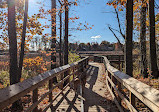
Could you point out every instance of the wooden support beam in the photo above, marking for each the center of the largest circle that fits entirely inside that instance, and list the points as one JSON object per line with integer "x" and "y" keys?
{"x": 132, "y": 99}
{"x": 115, "y": 100}
{"x": 119, "y": 89}
{"x": 50, "y": 86}
{"x": 119, "y": 63}
{"x": 35, "y": 99}
{"x": 122, "y": 97}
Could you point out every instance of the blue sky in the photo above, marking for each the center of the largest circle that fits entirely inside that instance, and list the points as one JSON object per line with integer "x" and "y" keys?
{"x": 93, "y": 12}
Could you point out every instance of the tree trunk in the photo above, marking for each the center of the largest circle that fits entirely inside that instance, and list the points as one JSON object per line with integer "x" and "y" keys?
{"x": 60, "y": 53}
{"x": 13, "y": 72}
{"x": 12, "y": 42}
{"x": 66, "y": 33}
{"x": 143, "y": 41}
{"x": 53, "y": 44}
{"x": 23, "y": 39}
{"x": 153, "y": 56}
{"x": 128, "y": 39}
{"x": 66, "y": 38}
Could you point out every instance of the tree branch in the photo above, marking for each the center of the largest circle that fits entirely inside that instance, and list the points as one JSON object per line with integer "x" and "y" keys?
{"x": 23, "y": 40}
{"x": 115, "y": 37}
{"x": 119, "y": 25}
{"x": 60, "y": 3}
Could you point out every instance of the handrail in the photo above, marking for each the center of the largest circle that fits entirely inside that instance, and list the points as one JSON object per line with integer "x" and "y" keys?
{"x": 102, "y": 52}
{"x": 14, "y": 92}
{"x": 115, "y": 79}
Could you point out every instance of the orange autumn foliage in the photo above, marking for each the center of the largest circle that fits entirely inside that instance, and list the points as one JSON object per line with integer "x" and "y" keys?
{"x": 36, "y": 64}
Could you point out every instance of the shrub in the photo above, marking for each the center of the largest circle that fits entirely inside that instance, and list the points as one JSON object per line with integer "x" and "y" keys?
{"x": 4, "y": 65}
{"x": 73, "y": 57}
{"x": 4, "y": 79}
{"x": 35, "y": 65}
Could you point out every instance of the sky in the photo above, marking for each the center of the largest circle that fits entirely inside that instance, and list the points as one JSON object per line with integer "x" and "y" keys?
{"x": 93, "y": 12}
{"x": 97, "y": 13}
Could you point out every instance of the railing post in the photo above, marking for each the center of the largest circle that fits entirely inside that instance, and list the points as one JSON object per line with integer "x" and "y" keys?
{"x": 35, "y": 98}
{"x": 95, "y": 59}
{"x": 87, "y": 62}
{"x": 61, "y": 78}
{"x": 82, "y": 66}
{"x": 119, "y": 88}
{"x": 111, "y": 80}
{"x": 66, "y": 81}
{"x": 119, "y": 63}
{"x": 50, "y": 86}
{"x": 122, "y": 65}
{"x": 73, "y": 70}
{"x": 132, "y": 99}
{"x": 69, "y": 72}
{"x": 111, "y": 57}
{"x": 106, "y": 73}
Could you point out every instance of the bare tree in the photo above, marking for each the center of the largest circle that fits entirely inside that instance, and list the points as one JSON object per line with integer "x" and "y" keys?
{"x": 66, "y": 38}
{"x": 13, "y": 72}
{"x": 143, "y": 39}
{"x": 53, "y": 32}
{"x": 116, "y": 37}
{"x": 53, "y": 44}
{"x": 66, "y": 33}
{"x": 119, "y": 24}
{"x": 23, "y": 40}
{"x": 128, "y": 38}
{"x": 119, "y": 31}
{"x": 60, "y": 43}
{"x": 12, "y": 42}
{"x": 153, "y": 56}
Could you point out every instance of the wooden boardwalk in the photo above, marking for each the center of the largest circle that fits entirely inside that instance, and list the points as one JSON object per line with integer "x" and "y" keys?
{"x": 103, "y": 89}
{"x": 96, "y": 96}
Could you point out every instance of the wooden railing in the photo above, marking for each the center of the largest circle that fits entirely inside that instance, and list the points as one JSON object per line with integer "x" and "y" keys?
{"x": 112, "y": 58}
{"x": 137, "y": 91}
{"x": 101, "y": 52}
{"x": 14, "y": 92}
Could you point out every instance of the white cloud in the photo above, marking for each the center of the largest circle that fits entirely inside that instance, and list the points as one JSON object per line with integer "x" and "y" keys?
{"x": 95, "y": 37}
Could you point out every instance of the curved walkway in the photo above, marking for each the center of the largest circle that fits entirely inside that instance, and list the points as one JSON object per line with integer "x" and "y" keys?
{"x": 96, "y": 96}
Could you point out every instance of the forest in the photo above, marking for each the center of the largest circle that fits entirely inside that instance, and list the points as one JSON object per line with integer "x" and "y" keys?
{"x": 35, "y": 42}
